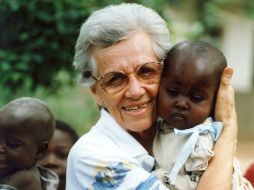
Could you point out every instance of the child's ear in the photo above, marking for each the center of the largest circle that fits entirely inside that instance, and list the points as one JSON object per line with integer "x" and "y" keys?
{"x": 42, "y": 150}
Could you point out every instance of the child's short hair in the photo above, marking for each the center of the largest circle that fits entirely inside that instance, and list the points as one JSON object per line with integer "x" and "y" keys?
{"x": 198, "y": 49}
{"x": 29, "y": 114}
{"x": 63, "y": 126}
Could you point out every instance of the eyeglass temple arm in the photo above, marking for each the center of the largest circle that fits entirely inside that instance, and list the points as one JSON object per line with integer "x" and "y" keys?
{"x": 88, "y": 74}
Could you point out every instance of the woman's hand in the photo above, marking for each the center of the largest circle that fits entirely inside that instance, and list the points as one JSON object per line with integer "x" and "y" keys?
{"x": 225, "y": 104}
{"x": 220, "y": 169}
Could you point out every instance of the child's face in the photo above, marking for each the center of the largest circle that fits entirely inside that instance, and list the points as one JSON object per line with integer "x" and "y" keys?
{"x": 58, "y": 150}
{"x": 17, "y": 149}
{"x": 186, "y": 93}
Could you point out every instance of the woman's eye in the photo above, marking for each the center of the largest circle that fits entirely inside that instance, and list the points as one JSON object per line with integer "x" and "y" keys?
{"x": 146, "y": 72}
{"x": 114, "y": 79}
{"x": 13, "y": 143}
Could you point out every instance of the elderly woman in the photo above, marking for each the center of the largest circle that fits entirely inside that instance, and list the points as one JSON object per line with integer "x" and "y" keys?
{"x": 119, "y": 54}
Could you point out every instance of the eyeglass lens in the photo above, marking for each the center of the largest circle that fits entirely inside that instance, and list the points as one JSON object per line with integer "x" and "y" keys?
{"x": 148, "y": 73}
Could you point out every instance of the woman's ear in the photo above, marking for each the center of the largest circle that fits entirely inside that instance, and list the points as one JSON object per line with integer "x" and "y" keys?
{"x": 41, "y": 150}
{"x": 95, "y": 91}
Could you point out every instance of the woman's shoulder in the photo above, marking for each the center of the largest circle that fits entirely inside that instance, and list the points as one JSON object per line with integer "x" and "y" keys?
{"x": 93, "y": 143}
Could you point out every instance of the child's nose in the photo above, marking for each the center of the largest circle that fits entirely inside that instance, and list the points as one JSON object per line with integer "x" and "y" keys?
{"x": 52, "y": 159}
{"x": 182, "y": 103}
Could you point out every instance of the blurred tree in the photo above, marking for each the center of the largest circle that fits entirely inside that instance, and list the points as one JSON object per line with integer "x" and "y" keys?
{"x": 37, "y": 40}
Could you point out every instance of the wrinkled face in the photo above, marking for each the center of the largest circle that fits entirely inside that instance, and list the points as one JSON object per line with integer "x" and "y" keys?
{"x": 18, "y": 150}
{"x": 186, "y": 93}
{"x": 134, "y": 107}
{"x": 58, "y": 150}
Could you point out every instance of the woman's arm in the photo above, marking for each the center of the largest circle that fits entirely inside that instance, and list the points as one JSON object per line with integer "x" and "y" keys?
{"x": 220, "y": 170}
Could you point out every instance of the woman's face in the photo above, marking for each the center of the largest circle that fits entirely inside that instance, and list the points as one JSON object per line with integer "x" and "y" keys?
{"x": 134, "y": 107}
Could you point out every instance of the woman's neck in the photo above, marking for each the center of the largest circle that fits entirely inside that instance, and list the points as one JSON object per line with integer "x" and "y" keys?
{"x": 145, "y": 138}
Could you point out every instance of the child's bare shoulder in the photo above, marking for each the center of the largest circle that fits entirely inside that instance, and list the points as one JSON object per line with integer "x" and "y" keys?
{"x": 25, "y": 180}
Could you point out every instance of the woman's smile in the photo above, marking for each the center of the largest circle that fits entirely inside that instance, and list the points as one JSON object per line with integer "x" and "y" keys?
{"x": 136, "y": 107}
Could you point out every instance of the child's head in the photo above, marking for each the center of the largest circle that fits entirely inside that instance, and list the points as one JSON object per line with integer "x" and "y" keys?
{"x": 26, "y": 126}
{"x": 58, "y": 150}
{"x": 189, "y": 83}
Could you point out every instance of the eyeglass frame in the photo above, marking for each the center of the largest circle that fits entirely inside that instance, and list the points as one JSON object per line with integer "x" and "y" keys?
{"x": 98, "y": 79}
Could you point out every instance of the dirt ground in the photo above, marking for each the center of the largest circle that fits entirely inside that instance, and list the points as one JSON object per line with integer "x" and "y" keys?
{"x": 245, "y": 153}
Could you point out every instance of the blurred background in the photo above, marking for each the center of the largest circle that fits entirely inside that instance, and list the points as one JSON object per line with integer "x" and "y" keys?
{"x": 37, "y": 39}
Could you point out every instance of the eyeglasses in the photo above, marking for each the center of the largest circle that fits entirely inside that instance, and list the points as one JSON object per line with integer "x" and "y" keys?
{"x": 147, "y": 73}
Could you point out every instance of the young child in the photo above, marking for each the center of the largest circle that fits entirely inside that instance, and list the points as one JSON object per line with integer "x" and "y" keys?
{"x": 26, "y": 126}
{"x": 187, "y": 94}
{"x": 59, "y": 147}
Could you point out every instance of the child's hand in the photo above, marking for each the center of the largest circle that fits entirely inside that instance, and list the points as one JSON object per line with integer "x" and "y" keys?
{"x": 225, "y": 103}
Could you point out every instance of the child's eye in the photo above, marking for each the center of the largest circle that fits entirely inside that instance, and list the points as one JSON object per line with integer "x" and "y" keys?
{"x": 13, "y": 143}
{"x": 197, "y": 98}
{"x": 172, "y": 92}
{"x": 62, "y": 155}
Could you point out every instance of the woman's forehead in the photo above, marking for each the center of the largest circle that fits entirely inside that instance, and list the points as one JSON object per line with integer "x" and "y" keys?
{"x": 127, "y": 53}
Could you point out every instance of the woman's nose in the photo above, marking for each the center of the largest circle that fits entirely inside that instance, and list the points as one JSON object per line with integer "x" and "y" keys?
{"x": 135, "y": 88}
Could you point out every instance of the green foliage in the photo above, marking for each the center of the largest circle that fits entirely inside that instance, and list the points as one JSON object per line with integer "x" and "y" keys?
{"x": 37, "y": 40}
{"x": 75, "y": 105}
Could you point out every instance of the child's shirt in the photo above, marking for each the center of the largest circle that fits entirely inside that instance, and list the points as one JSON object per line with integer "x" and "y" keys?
{"x": 183, "y": 155}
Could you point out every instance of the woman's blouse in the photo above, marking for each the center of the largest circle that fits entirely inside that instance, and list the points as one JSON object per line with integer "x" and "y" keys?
{"x": 108, "y": 157}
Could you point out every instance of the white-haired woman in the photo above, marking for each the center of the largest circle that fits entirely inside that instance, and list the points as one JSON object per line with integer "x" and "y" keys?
{"x": 119, "y": 54}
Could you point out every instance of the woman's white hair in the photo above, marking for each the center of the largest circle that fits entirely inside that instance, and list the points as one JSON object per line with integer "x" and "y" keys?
{"x": 112, "y": 24}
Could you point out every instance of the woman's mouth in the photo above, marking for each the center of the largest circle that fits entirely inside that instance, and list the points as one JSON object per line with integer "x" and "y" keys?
{"x": 135, "y": 108}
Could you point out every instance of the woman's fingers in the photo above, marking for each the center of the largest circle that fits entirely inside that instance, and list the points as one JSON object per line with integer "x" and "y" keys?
{"x": 226, "y": 76}
{"x": 225, "y": 103}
